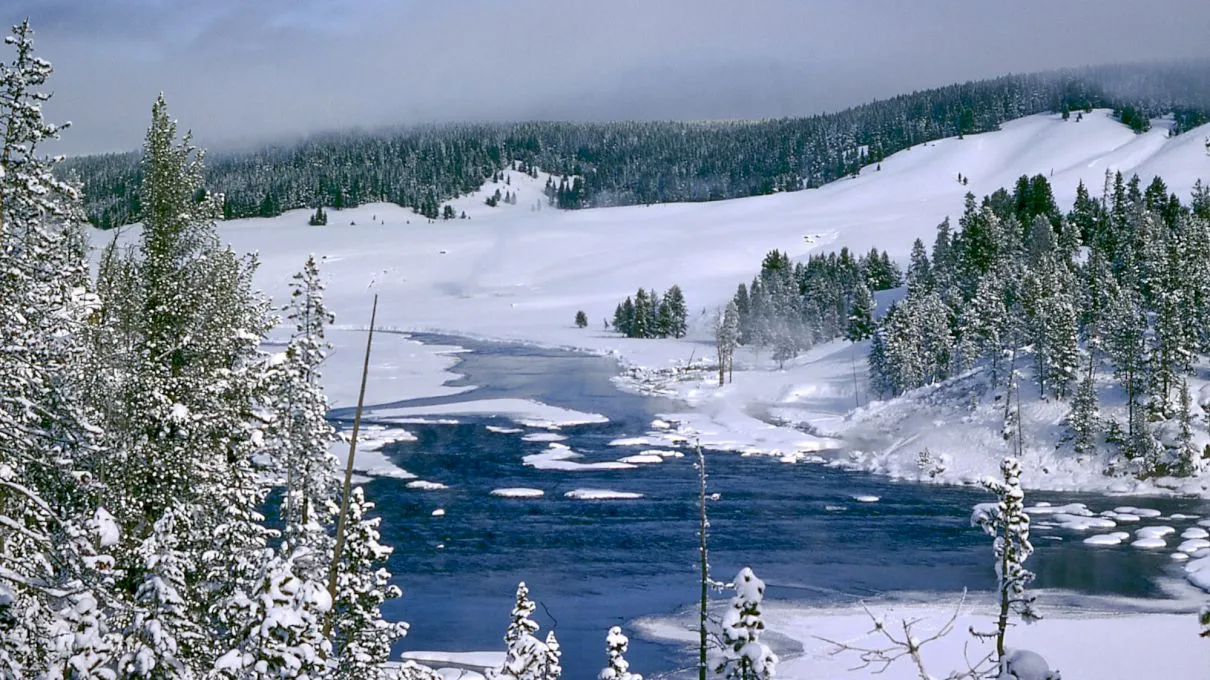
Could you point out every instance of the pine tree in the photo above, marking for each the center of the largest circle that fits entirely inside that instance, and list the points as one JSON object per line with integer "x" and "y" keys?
{"x": 1083, "y": 421}
{"x": 1007, "y": 522}
{"x": 641, "y": 327}
{"x": 53, "y": 581}
{"x": 861, "y": 314}
{"x": 282, "y": 632}
{"x": 581, "y": 319}
{"x": 678, "y": 313}
{"x": 526, "y": 656}
{"x": 553, "y": 669}
{"x": 615, "y": 647}
{"x": 1188, "y": 458}
{"x": 362, "y": 639}
{"x": 918, "y": 273}
{"x": 743, "y": 656}
{"x": 162, "y": 624}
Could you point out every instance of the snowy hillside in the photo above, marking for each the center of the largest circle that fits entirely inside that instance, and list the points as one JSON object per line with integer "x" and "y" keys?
{"x": 516, "y": 272}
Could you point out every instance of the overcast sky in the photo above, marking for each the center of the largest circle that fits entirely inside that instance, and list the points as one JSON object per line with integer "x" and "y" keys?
{"x": 239, "y": 71}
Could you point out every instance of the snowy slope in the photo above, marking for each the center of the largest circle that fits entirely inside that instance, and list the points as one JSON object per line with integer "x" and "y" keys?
{"x": 519, "y": 273}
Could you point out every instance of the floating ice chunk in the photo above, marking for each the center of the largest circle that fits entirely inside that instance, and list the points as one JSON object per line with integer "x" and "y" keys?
{"x": 641, "y": 459}
{"x": 1114, "y": 538}
{"x": 518, "y": 492}
{"x": 658, "y": 424}
{"x": 1149, "y": 543}
{"x": 439, "y": 512}
{"x": 1195, "y": 532}
{"x": 503, "y": 430}
{"x": 544, "y": 437}
{"x": 1083, "y": 523}
{"x": 602, "y": 495}
{"x": 833, "y": 508}
{"x": 426, "y": 486}
{"x": 662, "y": 453}
{"x": 1154, "y": 532}
{"x": 1181, "y": 516}
{"x": 630, "y": 441}
{"x": 562, "y": 458}
{"x": 1141, "y": 512}
{"x": 1120, "y": 517}
{"x": 1197, "y": 570}
{"x": 866, "y": 499}
{"x": 1193, "y": 545}
{"x": 1069, "y": 509}
{"x": 1179, "y": 556}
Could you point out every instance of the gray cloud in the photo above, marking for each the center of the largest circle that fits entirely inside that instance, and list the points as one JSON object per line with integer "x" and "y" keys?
{"x": 238, "y": 71}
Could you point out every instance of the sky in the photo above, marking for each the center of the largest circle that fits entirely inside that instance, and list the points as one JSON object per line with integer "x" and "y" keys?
{"x": 240, "y": 72}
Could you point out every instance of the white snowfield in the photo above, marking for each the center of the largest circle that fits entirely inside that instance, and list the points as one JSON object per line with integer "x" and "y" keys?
{"x": 1085, "y": 640}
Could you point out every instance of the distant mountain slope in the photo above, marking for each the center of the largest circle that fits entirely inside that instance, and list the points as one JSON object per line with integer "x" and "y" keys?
{"x": 628, "y": 163}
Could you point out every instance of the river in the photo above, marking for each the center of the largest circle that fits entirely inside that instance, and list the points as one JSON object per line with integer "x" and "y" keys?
{"x": 594, "y": 564}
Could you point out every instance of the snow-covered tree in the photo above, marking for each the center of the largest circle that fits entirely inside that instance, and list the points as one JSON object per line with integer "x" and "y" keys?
{"x": 1008, "y": 524}
{"x": 553, "y": 664}
{"x": 300, "y": 435}
{"x": 742, "y": 655}
{"x": 363, "y": 638}
{"x": 726, "y": 338}
{"x": 618, "y": 668}
{"x": 161, "y": 624}
{"x": 526, "y": 655}
{"x": 1188, "y": 458}
{"x": 282, "y": 635}
{"x": 678, "y": 314}
{"x": 861, "y": 314}
{"x": 52, "y": 589}
{"x": 1083, "y": 421}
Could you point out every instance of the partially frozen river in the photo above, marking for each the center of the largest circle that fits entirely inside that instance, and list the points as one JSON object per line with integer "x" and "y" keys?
{"x": 596, "y": 563}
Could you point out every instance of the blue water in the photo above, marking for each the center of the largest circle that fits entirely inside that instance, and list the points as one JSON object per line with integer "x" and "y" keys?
{"x": 594, "y": 564}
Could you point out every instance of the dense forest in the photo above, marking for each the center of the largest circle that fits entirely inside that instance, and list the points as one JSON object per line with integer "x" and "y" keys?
{"x": 626, "y": 163}
{"x": 1118, "y": 287}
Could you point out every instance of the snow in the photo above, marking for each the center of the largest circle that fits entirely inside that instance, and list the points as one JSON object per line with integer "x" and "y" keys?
{"x": 1114, "y": 538}
{"x": 1081, "y": 523}
{"x": 1154, "y": 532}
{"x": 562, "y": 458}
{"x": 1072, "y": 638}
{"x": 1195, "y": 532}
{"x": 602, "y": 495}
{"x": 480, "y": 661}
{"x": 524, "y": 411}
{"x": 504, "y": 430}
{"x": 1193, "y": 545}
{"x": 544, "y": 437}
{"x": 423, "y": 485}
{"x": 641, "y": 459}
{"x": 1138, "y": 512}
{"x": 1150, "y": 543}
{"x": 866, "y": 499}
{"x": 518, "y": 492}
{"x": 515, "y": 274}
{"x": 369, "y": 458}
{"x": 439, "y": 512}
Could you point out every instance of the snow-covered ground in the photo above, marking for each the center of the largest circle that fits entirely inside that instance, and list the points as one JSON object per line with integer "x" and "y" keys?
{"x": 1083, "y": 638}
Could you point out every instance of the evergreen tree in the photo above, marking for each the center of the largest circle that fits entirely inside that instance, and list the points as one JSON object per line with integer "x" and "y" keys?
{"x": 52, "y": 585}
{"x": 861, "y": 315}
{"x": 918, "y": 274}
{"x": 526, "y": 656}
{"x": 362, "y": 638}
{"x": 743, "y": 656}
{"x": 615, "y": 647}
{"x": 1083, "y": 421}
{"x": 582, "y": 319}
{"x": 161, "y": 625}
{"x": 1188, "y": 458}
{"x": 641, "y": 327}
{"x": 281, "y": 636}
{"x": 1007, "y": 522}
{"x": 553, "y": 667}
{"x": 678, "y": 314}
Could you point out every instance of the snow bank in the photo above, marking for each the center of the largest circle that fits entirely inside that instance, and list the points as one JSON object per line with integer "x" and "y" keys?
{"x": 524, "y": 411}
{"x": 1114, "y": 538}
{"x": 423, "y": 485}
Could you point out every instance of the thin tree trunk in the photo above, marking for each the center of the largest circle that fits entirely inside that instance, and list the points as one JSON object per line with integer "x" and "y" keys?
{"x": 704, "y": 563}
{"x": 334, "y": 569}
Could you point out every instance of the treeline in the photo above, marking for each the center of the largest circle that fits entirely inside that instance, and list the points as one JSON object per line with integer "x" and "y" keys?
{"x": 1118, "y": 285}
{"x": 626, "y": 163}
{"x": 648, "y": 315}
{"x": 791, "y": 307}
